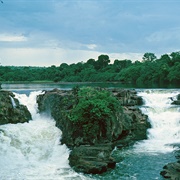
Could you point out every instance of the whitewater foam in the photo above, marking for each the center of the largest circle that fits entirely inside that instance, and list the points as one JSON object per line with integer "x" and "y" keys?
{"x": 164, "y": 119}
{"x": 32, "y": 150}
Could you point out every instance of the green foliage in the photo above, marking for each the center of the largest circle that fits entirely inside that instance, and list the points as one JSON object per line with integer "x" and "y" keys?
{"x": 94, "y": 105}
{"x": 149, "y": 57}
{"x": 164, "y": 70}
{"x": 174, "y": 73}
{"x": 93, "y": 109}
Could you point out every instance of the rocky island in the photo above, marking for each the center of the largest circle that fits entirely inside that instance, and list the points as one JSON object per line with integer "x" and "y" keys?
{"x": 11, "y": 111}
{"x": 93, "y": 121}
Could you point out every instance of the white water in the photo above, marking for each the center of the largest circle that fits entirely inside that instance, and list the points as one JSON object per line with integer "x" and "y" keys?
{"x": 164, "y": 119}
{"x": 32, "y": 151}
{"x": 13, "y": 102}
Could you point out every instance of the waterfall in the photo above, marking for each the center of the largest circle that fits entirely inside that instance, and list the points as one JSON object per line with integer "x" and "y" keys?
{"x": 13, "y": 102}
{"x": 164, "y": 119}
{"x": 33, "y": 150}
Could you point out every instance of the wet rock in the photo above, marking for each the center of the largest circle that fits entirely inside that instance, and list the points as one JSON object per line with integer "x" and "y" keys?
{"x": 127, "y": 97}
{"x": 178, "y": 97}
{"x": 171, "y": 171}
{"x": 10, "y": 109}
{"x": 177, "y": 101}
{"x": 94, "y": 159}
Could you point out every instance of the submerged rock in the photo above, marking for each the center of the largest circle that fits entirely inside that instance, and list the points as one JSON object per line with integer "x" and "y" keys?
{"x": 10, "y": 109}
{"x": 177, "y": 101}
{"x": 93, "y": 155}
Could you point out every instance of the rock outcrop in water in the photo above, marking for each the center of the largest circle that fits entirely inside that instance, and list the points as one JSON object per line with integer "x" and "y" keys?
{"x": 177, "y": 101}
{"x": 172, "y": 170}
{"x": 10, "y": 109}
{"x": 94, "y": 155}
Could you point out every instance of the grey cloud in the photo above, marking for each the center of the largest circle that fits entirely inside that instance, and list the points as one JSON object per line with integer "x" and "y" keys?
{"x": 113, "y": 26}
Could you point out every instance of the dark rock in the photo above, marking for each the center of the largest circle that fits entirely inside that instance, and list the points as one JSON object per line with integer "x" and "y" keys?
{"x": 177, "y": 101}
{"x": 94, "y": 159}
{"x": 171, "y": 171}
{"x": 10, "y": 109}
{"x": 128, "y": 97}
{"x": 178, "y": 97}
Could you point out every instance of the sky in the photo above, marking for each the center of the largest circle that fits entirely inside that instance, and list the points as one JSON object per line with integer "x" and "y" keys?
{"x": 52, "y": 32}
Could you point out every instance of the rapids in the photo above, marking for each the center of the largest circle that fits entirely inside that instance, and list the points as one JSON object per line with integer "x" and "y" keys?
{"x": 146, "y": 158}
{"x": 32, "y": 151}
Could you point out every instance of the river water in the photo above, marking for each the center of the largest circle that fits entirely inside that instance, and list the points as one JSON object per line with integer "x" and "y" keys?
{"x": 33, "y": 151}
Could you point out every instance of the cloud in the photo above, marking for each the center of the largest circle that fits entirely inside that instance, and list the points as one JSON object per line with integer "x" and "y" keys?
{"x": 43, "y": 56}
{"x": 91, "y": 46}
{"x": 59, "y": 30}
{"x": 167, "y": 35}
{"x": 12, "y": 38}
{"x": 47, "y": 57}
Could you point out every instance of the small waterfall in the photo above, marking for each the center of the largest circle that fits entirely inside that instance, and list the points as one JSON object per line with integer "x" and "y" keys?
{"x": 146, "y": 158}
{"x": 33, "y": 150}
{"x": 164, "y": 119}
{"x": 13, "y": 102}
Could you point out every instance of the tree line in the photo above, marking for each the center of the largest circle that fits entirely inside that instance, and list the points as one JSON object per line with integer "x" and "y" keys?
{"x": 151, "y": 70}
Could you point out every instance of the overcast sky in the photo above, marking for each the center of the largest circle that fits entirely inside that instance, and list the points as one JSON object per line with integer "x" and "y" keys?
{"x": 51, "y": 32}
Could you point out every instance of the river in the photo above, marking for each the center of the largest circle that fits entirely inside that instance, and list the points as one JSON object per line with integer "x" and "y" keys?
{"x": 32, "y": 151}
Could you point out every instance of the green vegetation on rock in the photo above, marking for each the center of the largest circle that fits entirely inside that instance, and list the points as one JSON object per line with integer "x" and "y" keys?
{"x": 94, "y": 107}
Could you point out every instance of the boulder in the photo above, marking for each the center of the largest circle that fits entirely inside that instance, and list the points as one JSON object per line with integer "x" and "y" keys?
{"x": 10, "y": 109}
{"x": 177, "y": 101}
{"x": 172, "y": 170}
{"x": 127, "y": 126}
{"x": 178, "y": 97}
{"x": 94, "y": 159}
{"x": 127, "y": 97}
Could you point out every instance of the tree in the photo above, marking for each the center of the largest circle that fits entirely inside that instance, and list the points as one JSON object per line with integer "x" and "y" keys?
{"x": 91, "y": 62}
{"x": 174, "y": 75}
{"x": 165, "y": 59}
{"x": 63, "y": 66}
{"x": 102, "y": 62}
{"x": 149, "y": 57}
{"x": 175, "y": 57}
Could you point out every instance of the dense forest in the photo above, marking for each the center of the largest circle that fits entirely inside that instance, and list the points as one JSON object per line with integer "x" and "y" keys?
{"x": 151, "y": 70}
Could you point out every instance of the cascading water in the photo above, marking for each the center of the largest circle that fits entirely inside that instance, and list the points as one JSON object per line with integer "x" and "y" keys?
{"x": 13, "y": 102}
{"x": 146, "y": 158}
{"x": 164, "y": 119}
{"x": 32, "y": 151}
